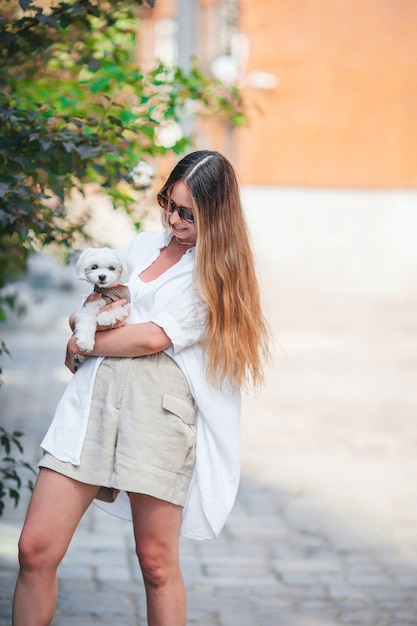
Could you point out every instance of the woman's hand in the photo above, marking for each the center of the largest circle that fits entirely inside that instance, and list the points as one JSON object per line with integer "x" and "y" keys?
{"x": 73, "y": 357}
{"x": 121, "y": 317}
{"x": 108, "y": 307}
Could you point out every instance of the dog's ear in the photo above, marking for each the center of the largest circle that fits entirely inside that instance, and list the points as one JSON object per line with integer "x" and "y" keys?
{"x": 81, "y": 264}
{"x": 126, "y": 270}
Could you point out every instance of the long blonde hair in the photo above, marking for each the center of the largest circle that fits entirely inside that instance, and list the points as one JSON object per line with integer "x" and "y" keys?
{"x": 237, "y": 336}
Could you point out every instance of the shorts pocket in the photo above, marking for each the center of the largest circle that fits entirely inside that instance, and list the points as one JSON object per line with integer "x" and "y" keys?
{"x": 184, "y": 408}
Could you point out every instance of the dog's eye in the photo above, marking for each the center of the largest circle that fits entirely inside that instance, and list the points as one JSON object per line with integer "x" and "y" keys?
{"x": 94, "y": 267}
{"x": 112, "y": 268}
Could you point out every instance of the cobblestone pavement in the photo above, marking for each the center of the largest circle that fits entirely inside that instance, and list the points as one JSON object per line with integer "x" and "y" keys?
{"x": 324, "y": 531}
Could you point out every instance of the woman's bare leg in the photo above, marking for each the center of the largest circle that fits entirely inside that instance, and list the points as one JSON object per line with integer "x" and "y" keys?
{"x": 157, "y": 527}
{"x": 56, "y": 507}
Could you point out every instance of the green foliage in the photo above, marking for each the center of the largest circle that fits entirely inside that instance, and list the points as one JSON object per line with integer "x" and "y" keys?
{"x": 10, "y": 480}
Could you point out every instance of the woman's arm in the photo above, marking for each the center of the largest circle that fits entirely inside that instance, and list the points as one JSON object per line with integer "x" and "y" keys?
{"x": 127, "y": 341}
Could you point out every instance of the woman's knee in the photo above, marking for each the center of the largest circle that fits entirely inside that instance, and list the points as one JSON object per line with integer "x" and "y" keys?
{"x": 36, "y": 551}
{"x": 158, "y": 565}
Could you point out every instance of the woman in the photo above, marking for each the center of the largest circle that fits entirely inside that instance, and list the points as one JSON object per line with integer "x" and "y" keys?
{"x": 125, "y": 431}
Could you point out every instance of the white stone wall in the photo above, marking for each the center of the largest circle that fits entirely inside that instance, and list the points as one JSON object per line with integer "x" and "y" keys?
{"x": 354, "y": 242}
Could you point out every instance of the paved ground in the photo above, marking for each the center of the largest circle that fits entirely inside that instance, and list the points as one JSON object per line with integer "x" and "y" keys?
{"x": 324, "y": 531}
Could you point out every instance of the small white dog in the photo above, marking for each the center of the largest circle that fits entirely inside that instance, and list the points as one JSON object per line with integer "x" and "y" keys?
{"x": 105, "y": 269}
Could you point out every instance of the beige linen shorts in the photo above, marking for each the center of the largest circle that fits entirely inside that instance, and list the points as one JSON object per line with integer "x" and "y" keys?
{"x": 141, "y": 432}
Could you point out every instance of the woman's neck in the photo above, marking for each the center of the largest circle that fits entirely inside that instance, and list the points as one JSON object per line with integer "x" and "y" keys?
{"x": 190, "y": 244}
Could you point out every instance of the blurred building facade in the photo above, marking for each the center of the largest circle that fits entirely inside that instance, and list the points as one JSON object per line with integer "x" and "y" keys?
{"x": 330, "y": 85}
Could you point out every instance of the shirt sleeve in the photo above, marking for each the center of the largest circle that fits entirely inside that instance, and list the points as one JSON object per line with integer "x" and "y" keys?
{"x": 184, "y": 320}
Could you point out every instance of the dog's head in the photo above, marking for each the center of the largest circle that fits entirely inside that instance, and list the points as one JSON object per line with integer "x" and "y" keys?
{"x": 102, "y": 266}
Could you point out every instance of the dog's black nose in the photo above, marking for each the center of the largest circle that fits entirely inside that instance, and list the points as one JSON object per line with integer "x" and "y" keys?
{"x": 102, "y": 277}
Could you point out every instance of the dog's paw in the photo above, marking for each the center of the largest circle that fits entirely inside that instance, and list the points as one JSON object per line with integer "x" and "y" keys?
{"x": 85, "y": 341}
{"x": 79, "y": 360}
{"x": 85, "y": 346}
{"x": 107, "y": 318}
{"x": 85, "y": 328}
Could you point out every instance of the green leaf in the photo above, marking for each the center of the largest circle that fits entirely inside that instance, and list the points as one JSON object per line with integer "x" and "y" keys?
{"x": 100, "y": 85}
{"x": 14, "y": 495}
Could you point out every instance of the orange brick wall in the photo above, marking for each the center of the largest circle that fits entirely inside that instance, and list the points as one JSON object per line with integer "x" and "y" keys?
{"x": 345, "y": 111}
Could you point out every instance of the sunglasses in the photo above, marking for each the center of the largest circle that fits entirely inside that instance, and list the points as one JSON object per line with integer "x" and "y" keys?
{"x": 169, "y": 205}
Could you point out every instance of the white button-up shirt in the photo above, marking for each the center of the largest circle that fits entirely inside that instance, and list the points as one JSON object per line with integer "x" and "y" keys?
{"x": 172, "y": 302}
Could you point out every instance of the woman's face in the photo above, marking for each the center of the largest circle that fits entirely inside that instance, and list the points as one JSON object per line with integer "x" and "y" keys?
{"x": 183, "y": 230}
